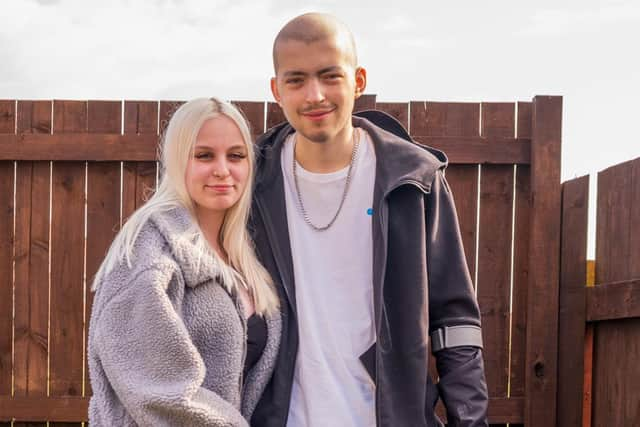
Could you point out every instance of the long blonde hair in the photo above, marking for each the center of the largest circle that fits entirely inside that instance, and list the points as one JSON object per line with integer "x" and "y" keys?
{"x": 176, "y": 149}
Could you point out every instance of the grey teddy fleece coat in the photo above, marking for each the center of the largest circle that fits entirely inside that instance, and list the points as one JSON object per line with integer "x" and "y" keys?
{"x": 167, "y": 342}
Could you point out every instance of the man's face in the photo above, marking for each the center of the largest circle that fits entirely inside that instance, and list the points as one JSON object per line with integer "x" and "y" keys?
{"x": 316, "y": 85}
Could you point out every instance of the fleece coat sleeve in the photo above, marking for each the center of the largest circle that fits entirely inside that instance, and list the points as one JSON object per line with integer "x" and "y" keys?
{"x": 151, "y": 362}
{"x": 452, "y": 302}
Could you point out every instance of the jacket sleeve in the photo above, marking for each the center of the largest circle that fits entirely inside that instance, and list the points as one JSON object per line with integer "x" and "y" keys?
{"x": 452, "y": 302}
{"x": 151, "y": 362}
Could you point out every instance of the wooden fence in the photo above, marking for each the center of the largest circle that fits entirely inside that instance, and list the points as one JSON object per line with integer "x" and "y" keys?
{"x": 70, "y": 169}
{"x": 600, "y": 385}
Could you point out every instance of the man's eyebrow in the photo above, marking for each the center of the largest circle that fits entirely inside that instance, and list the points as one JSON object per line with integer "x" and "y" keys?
{"x": 293, "y": 73}
{"x": 331, "y": 69}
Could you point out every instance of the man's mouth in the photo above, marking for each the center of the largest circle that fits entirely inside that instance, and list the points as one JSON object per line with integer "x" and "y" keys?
{"x": 317, "y": 114}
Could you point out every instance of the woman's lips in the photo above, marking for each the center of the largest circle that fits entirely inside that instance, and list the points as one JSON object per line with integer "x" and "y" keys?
{"x": 219, "y": 188}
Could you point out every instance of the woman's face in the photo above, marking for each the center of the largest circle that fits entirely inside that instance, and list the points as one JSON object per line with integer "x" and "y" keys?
{"x": 218, "y": 169}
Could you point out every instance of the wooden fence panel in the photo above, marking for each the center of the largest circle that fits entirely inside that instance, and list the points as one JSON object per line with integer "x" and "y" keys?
{"x": 494, "y": 251}
{"x": 32, "y": 260}
{"x": 617, "y": 342}
{"x": 103, "y": 205}
{"x": 7, "y": 125}
{"x": 67, "y": 259}
{"x": 571, "y": 318}
{"x": 453, "y": 127}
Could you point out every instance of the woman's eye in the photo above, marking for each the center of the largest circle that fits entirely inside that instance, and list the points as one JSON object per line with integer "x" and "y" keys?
{"x": 202, "y": 156}
{"x": 237, "y": 156}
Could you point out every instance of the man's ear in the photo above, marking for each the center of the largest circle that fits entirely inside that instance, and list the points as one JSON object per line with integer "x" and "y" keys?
{"x": 361, "y": 81}
{"x": 274, "y": 90}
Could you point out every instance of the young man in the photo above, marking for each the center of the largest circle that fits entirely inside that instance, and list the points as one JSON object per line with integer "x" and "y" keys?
{"x": 357, "y": 226}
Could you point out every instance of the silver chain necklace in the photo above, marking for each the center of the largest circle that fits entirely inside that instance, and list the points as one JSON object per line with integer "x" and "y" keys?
{"x": 356, "y": 142}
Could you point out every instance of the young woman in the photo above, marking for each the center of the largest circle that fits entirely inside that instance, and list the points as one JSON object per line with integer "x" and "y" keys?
{"x": 185, "y": 325}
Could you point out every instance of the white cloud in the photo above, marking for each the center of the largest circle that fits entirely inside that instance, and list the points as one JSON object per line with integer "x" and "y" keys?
{"x": 568, "y": 20}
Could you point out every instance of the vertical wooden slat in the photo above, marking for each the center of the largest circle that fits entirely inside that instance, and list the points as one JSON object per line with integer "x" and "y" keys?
{"x": 7, "y": 116}
{"x": 544, "y": 259}
{"x": 67, "y": 259}
{"x": 494, "y": 251}
{"x": 254, "y": 113}
{"x": 634, "y": 226}
{"x": 139, "y": 178}
{"x": 32, "y": 260}
{"x": 587, "y": 392}
{"x": 525, "y": 118}
{"x": 399, "y": 110}
{"x": 615, "y": 195}
{"x": 275, "y": 115}
{"x": 520, "y": 260}
{"x": 7, "y": 126}
{"x": 103, "y": 202}
{"x": 572, "y": 316}
{"x": 616, "y": 371}
{"x": 463, "y": 180}
{"x": 167, "y": 108}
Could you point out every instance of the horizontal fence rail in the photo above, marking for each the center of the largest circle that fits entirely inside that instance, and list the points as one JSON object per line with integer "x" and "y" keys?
{"x": 110, "y": 147}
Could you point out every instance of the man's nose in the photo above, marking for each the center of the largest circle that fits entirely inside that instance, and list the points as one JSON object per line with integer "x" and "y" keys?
{"x": 314, "y": 91}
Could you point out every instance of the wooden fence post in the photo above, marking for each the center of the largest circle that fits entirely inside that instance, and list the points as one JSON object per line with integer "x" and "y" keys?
{"x": 544, "y": 260}
{"x": 572, "y": 315}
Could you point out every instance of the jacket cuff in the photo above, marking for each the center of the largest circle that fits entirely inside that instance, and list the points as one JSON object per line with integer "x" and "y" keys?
{"x": 463, "y": 386}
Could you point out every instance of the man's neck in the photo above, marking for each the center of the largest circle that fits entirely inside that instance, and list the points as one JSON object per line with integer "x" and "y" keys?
{"x": 325, "y": 157}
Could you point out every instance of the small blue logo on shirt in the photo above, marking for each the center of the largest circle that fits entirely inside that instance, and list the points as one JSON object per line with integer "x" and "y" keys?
{"x": 370, "y": 211}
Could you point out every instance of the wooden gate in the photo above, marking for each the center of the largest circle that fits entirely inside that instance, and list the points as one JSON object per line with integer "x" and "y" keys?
{"x": 599, "y": 341}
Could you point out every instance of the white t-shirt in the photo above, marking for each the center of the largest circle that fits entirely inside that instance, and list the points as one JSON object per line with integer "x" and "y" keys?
{"x": 334, "y": 292}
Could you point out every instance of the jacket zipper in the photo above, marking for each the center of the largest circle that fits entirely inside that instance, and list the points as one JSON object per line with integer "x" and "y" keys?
{"x": 271, "y": 237}
{"x": 385, "y": 238}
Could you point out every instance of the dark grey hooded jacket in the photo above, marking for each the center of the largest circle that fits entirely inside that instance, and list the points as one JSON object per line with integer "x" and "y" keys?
{"x": 421, "y": 283}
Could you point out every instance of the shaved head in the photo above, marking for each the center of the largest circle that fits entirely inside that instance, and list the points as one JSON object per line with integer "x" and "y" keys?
{"x": 315, "y": 27}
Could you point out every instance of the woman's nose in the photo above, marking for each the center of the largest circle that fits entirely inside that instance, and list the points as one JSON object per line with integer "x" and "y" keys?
{"x": 220, "y": 169}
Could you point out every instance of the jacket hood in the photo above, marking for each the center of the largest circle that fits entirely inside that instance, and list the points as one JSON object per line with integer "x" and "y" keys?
{"x": 184, "y": 240}
{"x": 406, "y": 160}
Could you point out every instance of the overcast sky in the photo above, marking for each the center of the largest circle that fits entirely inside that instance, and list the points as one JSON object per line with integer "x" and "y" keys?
{"x": 586, "y": 51}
